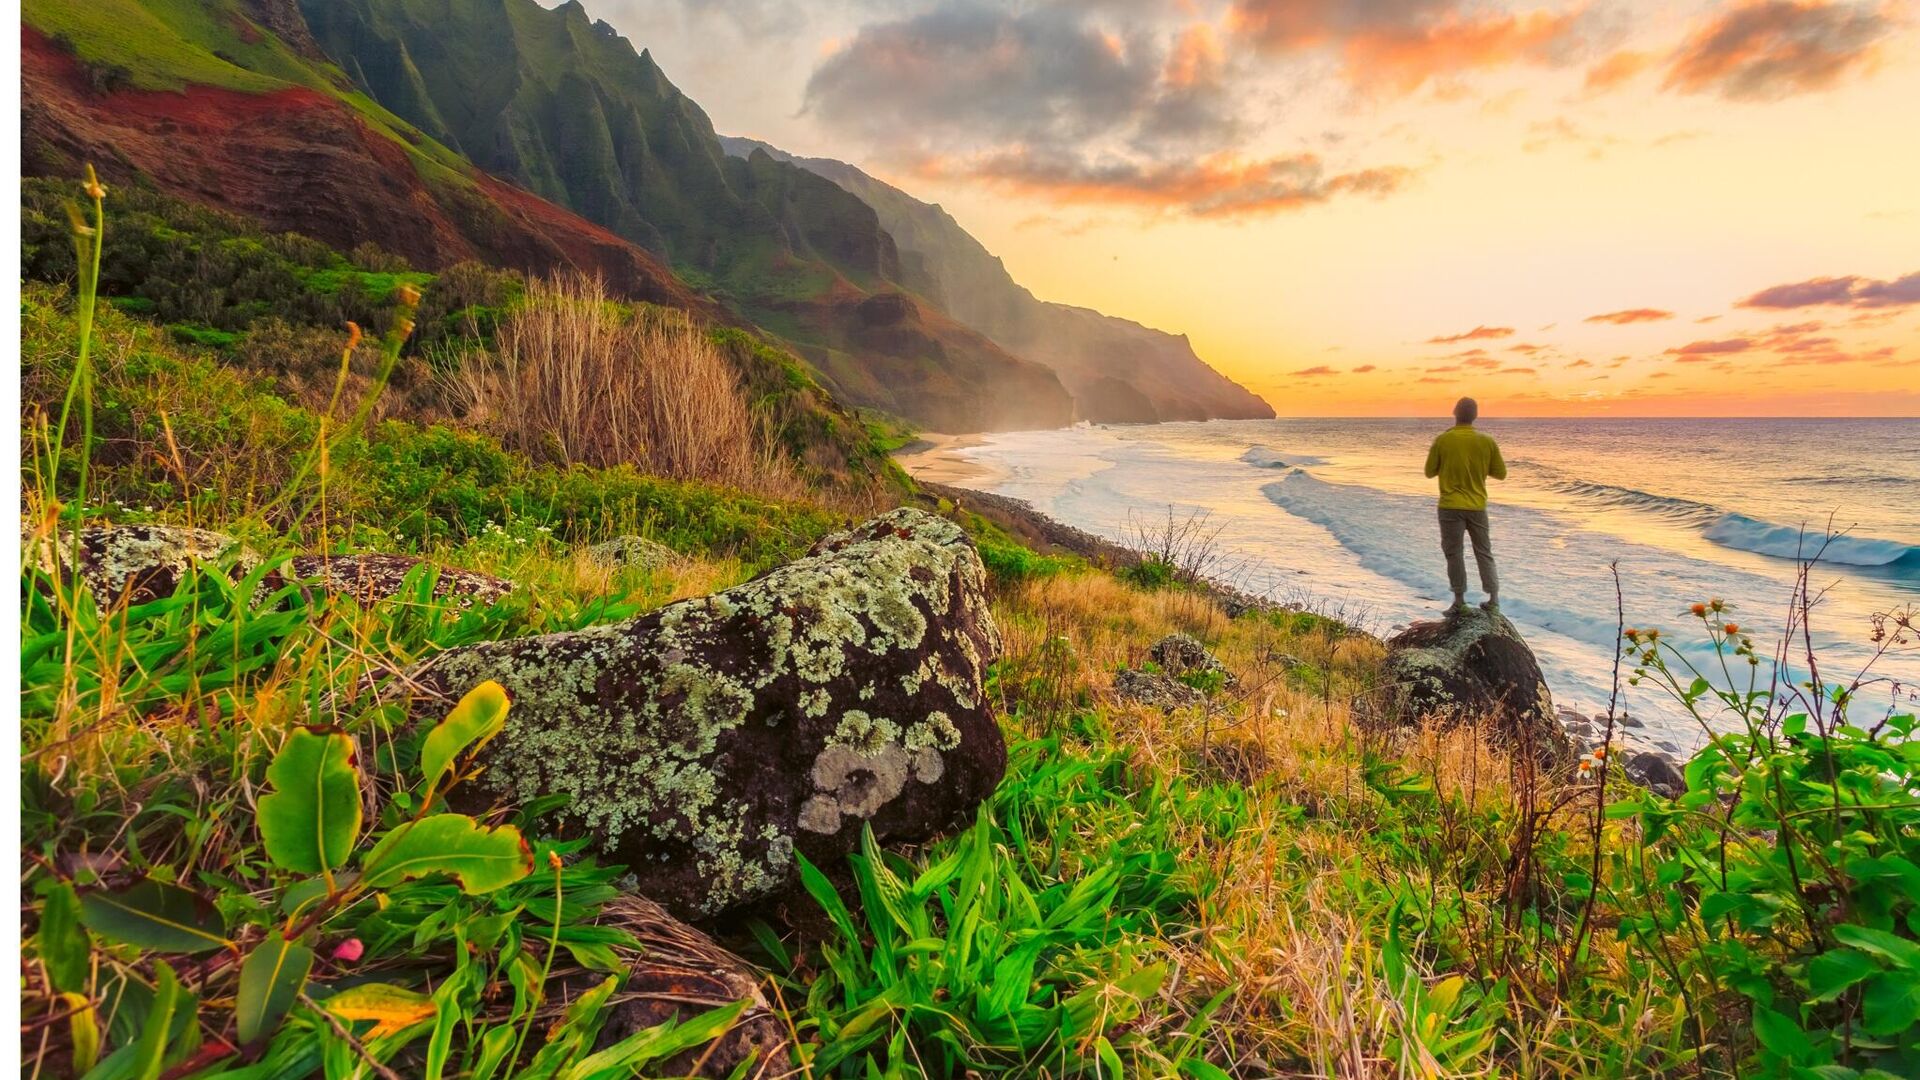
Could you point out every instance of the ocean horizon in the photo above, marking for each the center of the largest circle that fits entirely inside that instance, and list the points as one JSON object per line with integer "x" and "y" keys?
{"x": 1335, "y": 514}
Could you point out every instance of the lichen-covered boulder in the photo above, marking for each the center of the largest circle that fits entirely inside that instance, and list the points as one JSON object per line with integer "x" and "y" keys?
{"x": 138, "y": 563}
{"x": 678, "y": 973}
{"x": 1154, "y": 689}
{"x": 368, "y": 578}
{"x": 705, "y": 743}
{"x": 1474, "y": 666}
{"x": 624, "y": 552}
{"x": 1182, "y": 654}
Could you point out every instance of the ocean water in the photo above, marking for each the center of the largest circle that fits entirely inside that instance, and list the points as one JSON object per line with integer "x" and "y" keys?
{"x": 1336, "y": 514}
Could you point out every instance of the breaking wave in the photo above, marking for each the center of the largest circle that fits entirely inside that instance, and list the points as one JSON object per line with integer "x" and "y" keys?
{"x": 1266, "y": 457}
{"x": 1743, "y": 533}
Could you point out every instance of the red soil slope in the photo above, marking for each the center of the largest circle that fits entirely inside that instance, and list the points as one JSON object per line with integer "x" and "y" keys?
{"x": 299, "y": 160}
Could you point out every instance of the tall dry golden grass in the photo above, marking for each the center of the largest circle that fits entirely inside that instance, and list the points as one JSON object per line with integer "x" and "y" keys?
{"x": 576, "y": 378}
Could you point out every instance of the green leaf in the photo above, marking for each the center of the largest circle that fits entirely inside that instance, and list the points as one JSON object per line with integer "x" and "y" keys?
{"x": 1780, "y": 1034}
{"x": 1832, "y": 972}
{"x": 1891, "y": 1003}
{"x": 1880, "y": 943}
{"x": 472, "y": 723}
{"x": 1200, "y": 1070}
{"x": 312, "y": 817}
{"x": 150, "y": 1050}
{"x": 479, "y": 859}
{"x": 154, "y": 915}
{"x": 626, "y": 1057}
{"x": 62, "y": 941}
{"x": 270, "y": 978}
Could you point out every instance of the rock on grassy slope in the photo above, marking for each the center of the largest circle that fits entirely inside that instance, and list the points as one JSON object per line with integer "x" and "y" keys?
{"x": 708, "y": 743}
{"x": 1117, "y": 370}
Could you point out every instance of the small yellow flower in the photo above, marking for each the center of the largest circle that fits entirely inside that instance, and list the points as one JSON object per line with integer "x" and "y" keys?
{"x": 353, "y": 336}
{"x": 553, "y": 860}
{"x": 93, "y": 187}
{"x": 408, "y": 295}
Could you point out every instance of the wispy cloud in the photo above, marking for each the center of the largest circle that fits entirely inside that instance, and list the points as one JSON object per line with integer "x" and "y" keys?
{"x": 1770, "y": 49}
{"x": 1478, "y": 333}
{"x": 1701, "y": 351}
{"x": 1063, "y": 103}
{"x": 1314, "y": 372}
{"x": 1631, "y": 315}
{"x": 1849, "y": 291}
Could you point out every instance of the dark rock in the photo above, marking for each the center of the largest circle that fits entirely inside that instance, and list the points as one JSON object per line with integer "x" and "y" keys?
{"x": 622, "y": 552}
{"x": 1474, "y": 666}
{"x": 1155, "y": 689}
{"x": 139, "y": 563}
{"x": 705, "y": 743}
{"x": 368, "y": 578}
{"x": 1181, "y": 654}
{"x": 1655, "y": 773}
{"x": 679, "y": 973}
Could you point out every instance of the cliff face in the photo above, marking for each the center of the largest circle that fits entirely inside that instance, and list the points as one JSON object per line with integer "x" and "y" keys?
{"x": 301, "y": 160}
{"x": 210, "y": 103}
{"x": 567, "y": 108}
{"x": 1117, "y": 370}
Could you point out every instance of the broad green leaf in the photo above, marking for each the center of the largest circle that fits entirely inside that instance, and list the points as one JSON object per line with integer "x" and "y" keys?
{"x": 312, "y": 817}
{"x": 391, "y": 1008}
{"x": 1200, "y": 1070}
{"x": 1891, "y": 1003}
{"x": 472, "y": 723}
{"x": 479, "y": 859}
{"x": 270, "y": 979}
{"x": 1832, "y": 972}
{"x": 154, "y": 915}
{"x": 1880, "y": 943}
{"x": 1780, "y": 1034}
{"x": 62, "y": 941}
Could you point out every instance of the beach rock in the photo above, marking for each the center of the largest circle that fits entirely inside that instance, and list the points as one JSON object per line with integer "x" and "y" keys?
{"x": 1655, "y": 773}
{"x": 139, "y": 563}
{"x": 1154, "y": 689}
{"x": 640, "y": 552}
{"x": 1181, "y": 654}
{"x": 1474, "y": 666}
{"x": 705, "y": 743}
{"x": 368, "y": 578}
{"x": 676, "y": 974}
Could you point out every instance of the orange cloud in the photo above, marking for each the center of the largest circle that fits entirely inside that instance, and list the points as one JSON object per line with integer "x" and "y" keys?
{"x": 1313, "y": 372}
{"x": 1616, "y": 69}
{"x": 1768, "y": 49}
{"x": 1404, "y": 59}
{"x": 1478, "y": 333}
{"x": 1213, "y": 187}
{"x": 1197, "y": 58}
{"x": 1631, "y": 315}
{"x": 1399, "y": 47}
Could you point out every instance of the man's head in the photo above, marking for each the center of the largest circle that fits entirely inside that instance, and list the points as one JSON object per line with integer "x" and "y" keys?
{"x": 1466, "y": 411}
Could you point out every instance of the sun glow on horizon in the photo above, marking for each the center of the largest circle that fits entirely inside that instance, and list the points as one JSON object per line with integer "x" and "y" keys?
{"x": 1663, "y": 210}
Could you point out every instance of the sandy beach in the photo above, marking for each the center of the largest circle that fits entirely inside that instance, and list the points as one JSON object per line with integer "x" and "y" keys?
{"x": 937, "y": 459}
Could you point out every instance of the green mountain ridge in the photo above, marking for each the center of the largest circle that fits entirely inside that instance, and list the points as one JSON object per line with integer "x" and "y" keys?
{"x": 567, "y": 108}
{"x": 1117, "y": 369}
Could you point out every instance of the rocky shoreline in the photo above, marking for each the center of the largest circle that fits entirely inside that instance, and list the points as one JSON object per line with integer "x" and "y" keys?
{"x": 1651, "y": 762}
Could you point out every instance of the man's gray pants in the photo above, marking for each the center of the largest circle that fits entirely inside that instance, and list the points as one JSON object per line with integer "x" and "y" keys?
{"x": 1473, "y": 523}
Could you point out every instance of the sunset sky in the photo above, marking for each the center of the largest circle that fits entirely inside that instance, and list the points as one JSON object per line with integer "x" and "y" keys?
{"x": 1370, "y": 206}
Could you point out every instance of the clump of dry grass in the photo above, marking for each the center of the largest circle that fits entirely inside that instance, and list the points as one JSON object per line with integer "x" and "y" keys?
{"x": 576, "y": 378}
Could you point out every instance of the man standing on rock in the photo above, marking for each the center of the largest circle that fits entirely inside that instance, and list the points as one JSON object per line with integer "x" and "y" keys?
{"x": 1463, "y": 457}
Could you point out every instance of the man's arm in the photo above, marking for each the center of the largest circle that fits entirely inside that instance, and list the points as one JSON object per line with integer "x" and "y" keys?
{"x": 1496, "y": 465}
{"x": 1433, "y": 460}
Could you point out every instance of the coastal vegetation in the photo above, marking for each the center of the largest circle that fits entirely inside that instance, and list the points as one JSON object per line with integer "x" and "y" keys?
{"x": 1277, "y": 878}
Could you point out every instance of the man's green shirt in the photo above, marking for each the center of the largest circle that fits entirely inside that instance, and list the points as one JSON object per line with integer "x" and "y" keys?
{"x": 1463, "y": 458}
